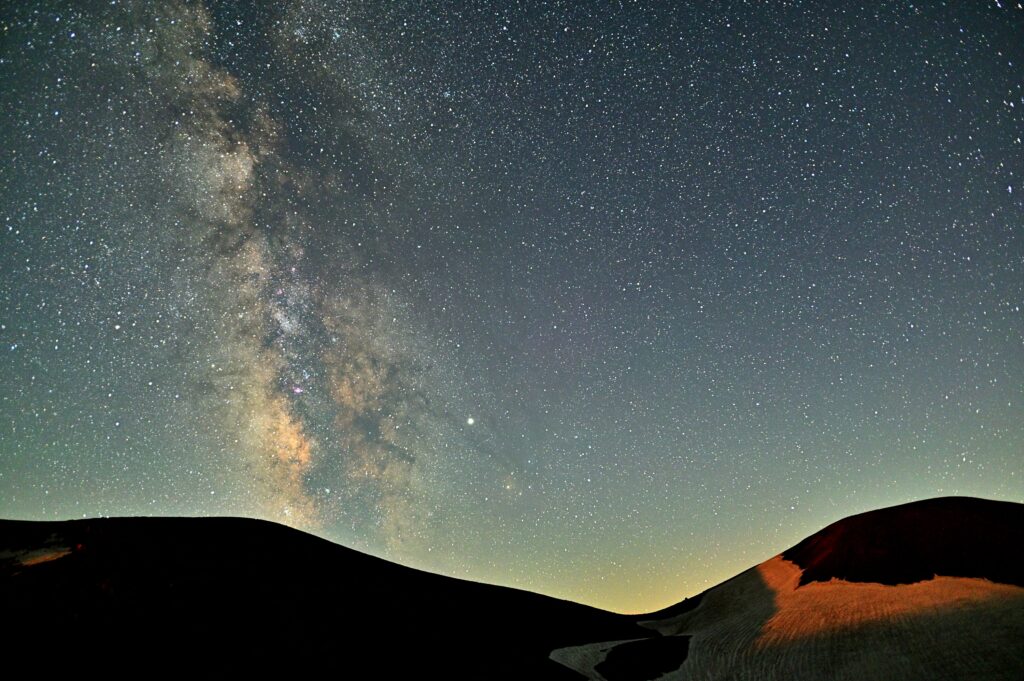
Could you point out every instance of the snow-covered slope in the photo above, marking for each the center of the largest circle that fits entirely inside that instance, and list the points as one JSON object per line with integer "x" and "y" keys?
{"x": 930, "y": 590}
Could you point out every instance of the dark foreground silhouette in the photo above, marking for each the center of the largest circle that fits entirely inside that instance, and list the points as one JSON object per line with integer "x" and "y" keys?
{"x": 959, "y": 537}
{"x": 214, "y": 596}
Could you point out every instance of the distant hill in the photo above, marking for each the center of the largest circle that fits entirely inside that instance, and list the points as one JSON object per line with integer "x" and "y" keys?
{"x": 230, "y": 596}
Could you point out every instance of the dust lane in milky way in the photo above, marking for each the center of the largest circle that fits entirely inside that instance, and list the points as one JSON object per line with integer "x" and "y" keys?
{"x": 606, "y": 302}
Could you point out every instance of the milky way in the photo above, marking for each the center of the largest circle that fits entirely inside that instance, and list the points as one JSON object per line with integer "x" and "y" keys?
{"x": 608, "y": 302}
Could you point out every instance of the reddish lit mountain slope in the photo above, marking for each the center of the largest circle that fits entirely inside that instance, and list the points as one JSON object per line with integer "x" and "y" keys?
{"x": 929, "y": 590}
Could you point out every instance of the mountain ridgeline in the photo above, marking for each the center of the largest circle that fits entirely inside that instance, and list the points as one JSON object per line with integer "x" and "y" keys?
{"x": 236, "y": 596}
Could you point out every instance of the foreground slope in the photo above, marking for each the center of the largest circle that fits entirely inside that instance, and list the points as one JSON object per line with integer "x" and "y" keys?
{"x": 928, "y": 590}
{"x": 230, "y": 595}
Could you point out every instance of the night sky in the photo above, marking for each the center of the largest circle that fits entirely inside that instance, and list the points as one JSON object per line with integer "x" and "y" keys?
{"x": 607, "y": 300}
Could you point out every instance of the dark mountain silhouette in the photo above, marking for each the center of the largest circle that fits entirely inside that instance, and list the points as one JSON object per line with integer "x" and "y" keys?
{"x": 233, "y": 596}
{"x": 951, "y": 536}
{"x": 236, "y": 595}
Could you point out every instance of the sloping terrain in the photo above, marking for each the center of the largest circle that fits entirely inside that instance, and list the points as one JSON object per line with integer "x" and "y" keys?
{"x": 951, "y": 536}
{"x": 215, "y": 596}
{"x": 928, "y": 590}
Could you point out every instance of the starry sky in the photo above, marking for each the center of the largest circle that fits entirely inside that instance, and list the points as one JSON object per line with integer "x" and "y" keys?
{"x": 606, "y": 300}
